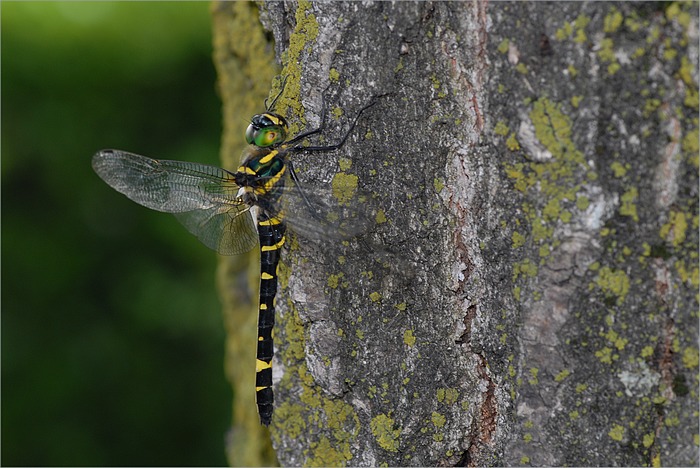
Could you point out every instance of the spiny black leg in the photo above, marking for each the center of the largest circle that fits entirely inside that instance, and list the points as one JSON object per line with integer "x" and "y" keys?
{"x": 299, "y": 148}
{"x": 301, "y": 136}
{"x": 297, "y": 183}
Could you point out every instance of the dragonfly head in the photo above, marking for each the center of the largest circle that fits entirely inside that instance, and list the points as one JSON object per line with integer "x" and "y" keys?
{"x": 266, "y": 130}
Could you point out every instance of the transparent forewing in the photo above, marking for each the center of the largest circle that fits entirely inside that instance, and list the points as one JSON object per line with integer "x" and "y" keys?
{"x": 203, "y": 198}
{"x": 318, "y": 214}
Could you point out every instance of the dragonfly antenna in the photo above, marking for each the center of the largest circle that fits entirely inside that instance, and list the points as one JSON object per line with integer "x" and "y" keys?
{"x": 274, "y": 101}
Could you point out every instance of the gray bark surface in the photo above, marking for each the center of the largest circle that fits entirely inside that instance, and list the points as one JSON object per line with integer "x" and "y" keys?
{"x": 527, "y": 292}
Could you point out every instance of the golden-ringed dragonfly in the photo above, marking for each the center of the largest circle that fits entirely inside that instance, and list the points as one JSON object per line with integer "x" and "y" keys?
{"x": 222, "y": 209}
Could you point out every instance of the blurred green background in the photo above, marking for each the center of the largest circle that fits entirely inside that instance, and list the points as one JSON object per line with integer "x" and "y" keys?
{"x": 112, "y": 336}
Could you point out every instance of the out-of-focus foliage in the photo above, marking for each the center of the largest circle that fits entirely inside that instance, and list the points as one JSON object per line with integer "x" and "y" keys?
{"x": 112, "y": 340}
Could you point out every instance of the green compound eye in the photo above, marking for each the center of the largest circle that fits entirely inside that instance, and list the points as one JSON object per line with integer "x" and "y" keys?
{"x": 266, "y": 130}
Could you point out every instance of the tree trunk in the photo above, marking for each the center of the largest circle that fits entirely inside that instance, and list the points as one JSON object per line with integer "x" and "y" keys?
{"x": 527, "y": 293}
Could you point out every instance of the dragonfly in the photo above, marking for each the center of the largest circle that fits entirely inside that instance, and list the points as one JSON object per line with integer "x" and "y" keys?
{"x": 232, "y": 212}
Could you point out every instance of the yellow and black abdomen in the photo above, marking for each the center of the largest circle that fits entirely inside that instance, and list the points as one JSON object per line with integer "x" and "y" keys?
{"x": 271, "y": 233}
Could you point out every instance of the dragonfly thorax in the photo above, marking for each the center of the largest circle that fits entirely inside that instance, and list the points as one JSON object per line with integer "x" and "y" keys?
{"x": 266, "y": 130}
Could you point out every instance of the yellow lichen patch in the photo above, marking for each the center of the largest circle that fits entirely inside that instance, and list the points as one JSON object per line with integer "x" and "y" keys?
{"x": 387, "y": 437}
{"x": 629, "y": 207}
{"x": 334, "y": 75}
{"x": 534, "y": 371}
{"x": 294, "y": 423}
{"x": 675, "y": 230}
{"x": 618, "y": 169}
{"x": 438, "y": 419}
{"x": 617, "y": 432}
{"x": 512, "y": 143}
{"x": 580, "y": 27}
{"x": 605, "y": 355}
{"x": 613, "y": 282}
{"x": 612, "y": 21}
{"x": 564, "y": 32}
{"x": 606, "y": 53}
{"x": 447, "y": 396}
{"x": 334, "y": 280}
{"x": 518, "y": 239}
{"x": 582, "y": 202}
{"x": 326, "y": 454}
{"x": 408, "y": 338}
{"x": 501, "y": 128}
{"x": 344, "y": 164}
{"x": 521, "y": 68}
{"x": 438, "y": 184}
{"x": 344, "y": 187}
{"x": 525, "y": 268}
{"x": 691, "y": 358}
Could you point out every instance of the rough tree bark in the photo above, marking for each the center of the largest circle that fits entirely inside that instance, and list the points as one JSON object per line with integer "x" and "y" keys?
{"x": 527, "y": 293}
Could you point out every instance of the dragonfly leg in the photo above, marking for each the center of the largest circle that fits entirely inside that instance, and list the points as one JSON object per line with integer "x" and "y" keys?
{"x": 300, "y": 148}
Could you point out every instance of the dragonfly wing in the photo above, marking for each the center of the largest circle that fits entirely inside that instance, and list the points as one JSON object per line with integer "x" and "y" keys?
{"x": 318, "y": 215}
{"x": 203, "y": 198}
{"x": 229, "y": 231}
{"x": 168, "y": 186}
